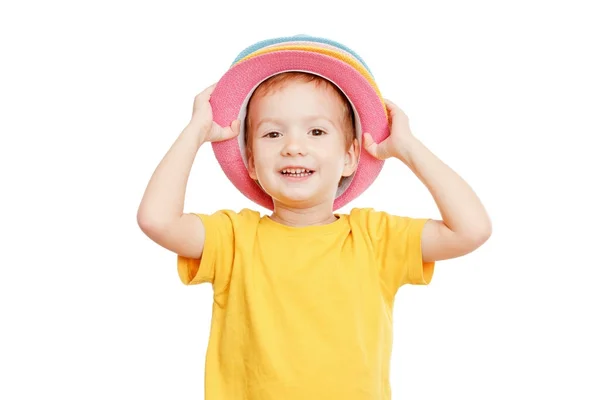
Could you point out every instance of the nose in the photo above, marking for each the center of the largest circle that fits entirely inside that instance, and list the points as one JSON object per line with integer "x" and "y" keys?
{"x": 294, "y": 145}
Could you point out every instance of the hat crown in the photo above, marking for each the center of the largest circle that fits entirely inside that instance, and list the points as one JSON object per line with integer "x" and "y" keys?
{"x": 323, "y": 57}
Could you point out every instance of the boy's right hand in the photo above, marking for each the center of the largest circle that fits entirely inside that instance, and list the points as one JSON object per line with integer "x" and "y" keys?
{"x": 160, "y": 214}
{"x": 202, "y": 120}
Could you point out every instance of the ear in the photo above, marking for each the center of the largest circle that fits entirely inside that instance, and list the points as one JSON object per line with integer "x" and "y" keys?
{"x": 351, "y": 159}
{"x": 251, "y": 167}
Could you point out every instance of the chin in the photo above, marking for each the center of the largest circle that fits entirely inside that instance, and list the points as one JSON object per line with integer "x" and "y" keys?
{"x": 302, "y": 195}
{"x": 294, "y": 199}
{"x": 302, "y": 200}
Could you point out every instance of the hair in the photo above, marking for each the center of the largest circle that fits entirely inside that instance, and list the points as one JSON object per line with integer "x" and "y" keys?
{"x": 278, "y": 81}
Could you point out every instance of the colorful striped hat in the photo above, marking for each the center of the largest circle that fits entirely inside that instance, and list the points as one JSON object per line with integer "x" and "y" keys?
{"x": 323, "y": 57}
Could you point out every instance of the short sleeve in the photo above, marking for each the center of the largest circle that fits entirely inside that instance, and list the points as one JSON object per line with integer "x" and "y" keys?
{"x": 217, "y": 254}
{"x": 396, "y": 242}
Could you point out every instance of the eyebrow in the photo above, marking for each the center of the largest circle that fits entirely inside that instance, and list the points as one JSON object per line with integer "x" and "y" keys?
{"x": 310, "y": 118}
{"x": 268, "y": 120}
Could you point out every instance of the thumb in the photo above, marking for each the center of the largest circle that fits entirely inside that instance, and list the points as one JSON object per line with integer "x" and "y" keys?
{"x": 234, "y": 129}
{"x": 227, "y": 132}
{"x": 370, "y": 145}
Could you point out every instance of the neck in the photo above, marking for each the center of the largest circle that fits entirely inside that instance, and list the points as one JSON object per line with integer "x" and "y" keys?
{"x": 290, "y": 216}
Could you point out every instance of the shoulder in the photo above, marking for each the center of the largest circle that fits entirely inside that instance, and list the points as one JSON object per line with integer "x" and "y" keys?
{"x": 228, "y": 217}
{"x": 244, "y": 213}
{"x": 366, "y": 220}
{"x": 367, "y": 215}
{"x": 377, "y": 222}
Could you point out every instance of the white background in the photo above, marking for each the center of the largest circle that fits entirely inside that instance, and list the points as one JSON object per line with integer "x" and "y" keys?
{"x": 93, "y": 94}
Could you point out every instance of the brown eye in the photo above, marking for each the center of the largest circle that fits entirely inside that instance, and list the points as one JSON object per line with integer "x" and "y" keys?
{"x": 272, "y": 134}
{"x": 317, "y": 132}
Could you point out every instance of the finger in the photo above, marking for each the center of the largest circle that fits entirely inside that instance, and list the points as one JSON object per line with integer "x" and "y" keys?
{"x": 225, "y": 133}
{"x": 394, "y": 109}
{"x": 390, "y": 108}
{"x": 205, "y": 94}
{"x": 235, "y": 127}
{"x": 390, "y": 103}
{"x": 210, "y": 89}
{"x": 370, "y": 145}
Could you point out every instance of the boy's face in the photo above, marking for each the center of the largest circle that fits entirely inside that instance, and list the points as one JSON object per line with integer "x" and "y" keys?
{"x": 298, "y": 151}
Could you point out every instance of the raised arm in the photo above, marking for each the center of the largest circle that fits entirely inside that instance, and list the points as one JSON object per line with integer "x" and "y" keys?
{"x": 465, "y": 224}
{"x": 160, "y": 214}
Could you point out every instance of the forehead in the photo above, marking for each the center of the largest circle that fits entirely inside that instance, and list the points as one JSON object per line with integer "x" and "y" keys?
{"x": 295, "y": 98}
{"x": 321, "y": 87}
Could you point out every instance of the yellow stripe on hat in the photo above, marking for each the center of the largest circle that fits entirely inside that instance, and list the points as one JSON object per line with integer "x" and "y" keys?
{"x": 340, "y": 55}
{"x": 321, "y": 45}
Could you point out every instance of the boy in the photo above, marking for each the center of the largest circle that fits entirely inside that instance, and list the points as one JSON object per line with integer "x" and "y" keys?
{"x": 303, "y": 298}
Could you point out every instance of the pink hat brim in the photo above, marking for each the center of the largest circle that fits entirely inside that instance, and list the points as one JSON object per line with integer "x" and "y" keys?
{"x": 233, "y": 89}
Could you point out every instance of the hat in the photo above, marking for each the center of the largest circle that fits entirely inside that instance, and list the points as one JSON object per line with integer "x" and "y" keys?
{"x": 319, "y": 56}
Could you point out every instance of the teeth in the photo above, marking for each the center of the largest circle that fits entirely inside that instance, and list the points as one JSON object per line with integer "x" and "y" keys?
{"x": 295, "y": 170}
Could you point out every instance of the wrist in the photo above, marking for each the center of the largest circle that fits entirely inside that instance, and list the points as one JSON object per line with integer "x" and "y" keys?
{"x": 195, "y": 132}
{"x": 407, "y": 149}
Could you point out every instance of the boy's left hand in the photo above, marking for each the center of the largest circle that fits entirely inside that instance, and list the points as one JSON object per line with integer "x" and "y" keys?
{"x": 399, "y": 140}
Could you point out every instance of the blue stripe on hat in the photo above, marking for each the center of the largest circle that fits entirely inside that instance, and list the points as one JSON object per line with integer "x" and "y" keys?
{"x": 307, "y": 38}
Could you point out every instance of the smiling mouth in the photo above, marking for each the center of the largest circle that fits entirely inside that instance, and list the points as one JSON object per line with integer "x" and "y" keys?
{"x": 296, "y": 172}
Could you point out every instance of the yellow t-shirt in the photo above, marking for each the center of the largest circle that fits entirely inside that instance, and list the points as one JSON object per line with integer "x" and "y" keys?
{"x": 304, "y": 312}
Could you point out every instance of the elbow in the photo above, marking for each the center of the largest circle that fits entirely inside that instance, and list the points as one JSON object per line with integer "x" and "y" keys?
{"x": 483, "y": 237}
{"x": 144, "y": 222}
{"x": 148, "y": 223}
{"x": 480, "y": 234}
{"x": 475, "y": 234}
{"x": 486, "y": 230}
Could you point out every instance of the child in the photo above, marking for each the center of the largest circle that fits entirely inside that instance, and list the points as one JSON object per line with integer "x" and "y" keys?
{"x": 303, "y": 298}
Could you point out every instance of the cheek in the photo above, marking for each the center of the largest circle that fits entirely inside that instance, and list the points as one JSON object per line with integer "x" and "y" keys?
{"x": 332, "y": 154}
{"x": 261, "y": 158}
